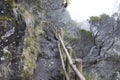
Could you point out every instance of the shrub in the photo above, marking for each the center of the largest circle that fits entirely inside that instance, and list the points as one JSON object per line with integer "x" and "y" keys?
{"x": 97, "y": 19}
{"x": 87, "y": 34}
{"x": 94, "y": 19}
{"x": 104, "y": 16}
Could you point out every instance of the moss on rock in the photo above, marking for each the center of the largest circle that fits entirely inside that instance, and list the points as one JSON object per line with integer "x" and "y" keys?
{"x": 30, "y": 52}
{"x": 31, "y": 47}
{"x": 12, "y": 3}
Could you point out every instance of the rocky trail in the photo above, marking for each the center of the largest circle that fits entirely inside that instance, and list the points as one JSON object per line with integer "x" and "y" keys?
{"x": 48, "y": 62}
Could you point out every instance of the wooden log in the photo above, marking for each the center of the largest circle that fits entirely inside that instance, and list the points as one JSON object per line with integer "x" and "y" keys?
{"x": 62, "y": 62}
{"x": 60, "y": 32}
{"x": 80, "y": 76}
{"x": 78, "y": 63}
{"x": 55, "y": 32}
{"x": 67, "y": 62}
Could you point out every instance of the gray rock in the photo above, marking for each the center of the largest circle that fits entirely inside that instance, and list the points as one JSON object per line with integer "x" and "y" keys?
{"x": 108, "y": 49}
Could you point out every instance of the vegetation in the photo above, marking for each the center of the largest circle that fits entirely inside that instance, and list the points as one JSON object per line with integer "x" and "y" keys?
{"x": 87, "y": 34}
{"x": 30, "y": 52}
{"x": 31, "y": 46}
{"x": 96, "y": 19}
{"x": 88, "y": 76}
{"x": 4, "y": 18}
{"x": 70, "y": 38}
{"x": 104, "y": 16}
{"x": 12, "y": 3}
{"x": 9, "y": 55}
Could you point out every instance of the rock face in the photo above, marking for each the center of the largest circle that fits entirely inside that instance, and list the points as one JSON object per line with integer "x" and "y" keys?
{"x": 12, "y": 30}
{"x": 99, "y": 48}
{"x": 45, "y": 15}
{"x": 29, "y": 49}
{"x": 26, "y": 31}
{"x": 103, "y": 61}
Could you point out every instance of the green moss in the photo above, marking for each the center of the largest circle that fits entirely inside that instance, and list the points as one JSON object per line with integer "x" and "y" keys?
{"x": 9, "y": 55}
{"x": 31, "y": 47}
{"x": 4, "y": 18}
{"x": 12, "y": 3}
{"x": 30, "y": 52}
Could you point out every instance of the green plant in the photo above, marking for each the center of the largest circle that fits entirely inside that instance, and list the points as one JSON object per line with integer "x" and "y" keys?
{"x": 88, "y": 76}
{"x": 103, "y": 16}
{"x": 96, "y": 19}
{"x": 9, "y": 55}
{"x": 87, "y": 34}
{"x": 69, "y": 37}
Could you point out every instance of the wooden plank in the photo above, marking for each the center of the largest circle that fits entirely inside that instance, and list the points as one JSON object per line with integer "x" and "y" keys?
{"x": 80, "y": 76}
